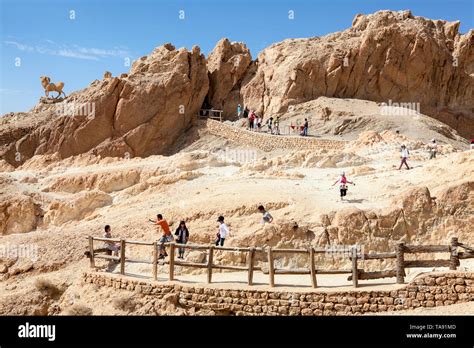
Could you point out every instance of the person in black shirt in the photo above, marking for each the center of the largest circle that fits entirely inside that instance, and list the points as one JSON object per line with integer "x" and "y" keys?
{"x": 182, "y": 234}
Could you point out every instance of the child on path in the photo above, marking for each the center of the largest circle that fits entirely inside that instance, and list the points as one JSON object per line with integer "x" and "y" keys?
{"x": 343, "y": 185}
{"x": 222, "y": 233}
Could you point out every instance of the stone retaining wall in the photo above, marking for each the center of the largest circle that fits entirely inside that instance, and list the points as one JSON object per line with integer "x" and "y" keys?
{"x": 268, "y": 142}
{"x": 427, "y": 290}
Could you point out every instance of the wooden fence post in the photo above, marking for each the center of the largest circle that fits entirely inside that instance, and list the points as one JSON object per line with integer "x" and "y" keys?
{"x": 312, "y": 267}
{"x": 400, "y": 263}
{"x": 122, "y": 256}
{"x": 355, "y": 273}
{"x": 155, "y": 260}
{"x": 91, "y": 248}
{"x": 271, "y": 269}
{"x": 454, "y": 259}
{"x": 250, "y": 264}
{"x": 209, "y": 264}
{"x": 171, "y": 272}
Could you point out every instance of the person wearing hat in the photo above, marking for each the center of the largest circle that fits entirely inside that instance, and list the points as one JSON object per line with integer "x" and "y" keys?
{"x": 404, "y": 155}
{"x": 343, "y": 185}
{"x": 223, "y": 231}
{"x": 433, "y": 148}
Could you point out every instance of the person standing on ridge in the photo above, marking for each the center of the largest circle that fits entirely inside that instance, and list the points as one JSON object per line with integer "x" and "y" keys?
{"x": 343, "y": 185}
{"x": 433, "y": 148}
{"x": 166, "y": 237}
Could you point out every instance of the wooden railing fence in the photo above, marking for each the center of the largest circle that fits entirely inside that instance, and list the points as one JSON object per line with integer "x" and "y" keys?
{"x": 355, "y": 274}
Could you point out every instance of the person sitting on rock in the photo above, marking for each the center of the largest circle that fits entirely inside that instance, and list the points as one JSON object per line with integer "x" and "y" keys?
{"x": 166, "y": 237}
{"x": 267, "y": 218}
{"x": 182, "y": 234}
{"x": 343, "y": 185}
{"x": 112, "y": 246}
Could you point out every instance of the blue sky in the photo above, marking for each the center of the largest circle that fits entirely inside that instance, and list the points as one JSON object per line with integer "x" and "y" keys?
{"x": 40, "y": 37}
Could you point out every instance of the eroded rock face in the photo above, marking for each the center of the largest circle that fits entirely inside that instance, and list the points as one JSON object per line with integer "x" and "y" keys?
{"x": 138, "y": 115}
{"x": 19, "y": 214}
{"x": 414, "y": 215}
{"x": 383, "y": 57}
{"x": 227, "y": 65}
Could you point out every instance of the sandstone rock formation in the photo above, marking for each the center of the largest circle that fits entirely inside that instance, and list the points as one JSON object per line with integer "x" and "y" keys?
{"x": 227, "y": 65}
{"x": 383, "y": 57}
{"x": 137, "y": 116}
{"x": 19, "y": 214}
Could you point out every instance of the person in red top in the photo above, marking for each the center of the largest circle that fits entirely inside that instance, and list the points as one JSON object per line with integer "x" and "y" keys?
{"x": 343, "y": 185}
{"x": 166, "y": 237}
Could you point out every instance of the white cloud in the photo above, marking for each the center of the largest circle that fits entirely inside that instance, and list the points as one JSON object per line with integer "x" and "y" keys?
{"x": 71, "y": 51}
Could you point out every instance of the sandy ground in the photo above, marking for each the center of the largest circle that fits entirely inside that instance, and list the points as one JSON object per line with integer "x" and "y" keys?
{"x": 198, "y": 184}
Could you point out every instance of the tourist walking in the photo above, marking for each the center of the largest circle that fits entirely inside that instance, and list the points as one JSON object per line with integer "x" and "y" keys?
{"x": 342, "y": 181}
{"x": 246, "y": 112}
{"x": 166, "y": 237}
{"x": 251, "y": 120}
{"x": 222, "y": 233}
{"x": 276, "y": 126}
{"x": 305, "y": 128}
{"x": 433, "y": 148}
{"x": 267, "y": 218}
{"x": 259, "y": 123}
{"x": 182, "y": 234}
{"x": 270, "y": 125}
{"x": 404, "y": 156}
{"x": 239, "y": 110}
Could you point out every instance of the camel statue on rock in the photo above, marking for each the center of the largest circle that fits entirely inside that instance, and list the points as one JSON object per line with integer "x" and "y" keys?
{"x": 51, "y": 87}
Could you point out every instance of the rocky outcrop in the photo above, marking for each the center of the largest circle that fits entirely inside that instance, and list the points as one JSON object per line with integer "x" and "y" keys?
{"x": 413, "y": 216}
{"x": 139, "y": 115}
{"x": 19, "y": 214}
{"x": 227, "y": 65}
{"x": 383, "y": 57}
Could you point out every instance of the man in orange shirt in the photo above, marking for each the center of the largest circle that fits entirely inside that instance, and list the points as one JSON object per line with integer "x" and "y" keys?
{"x": 166, "y": 237}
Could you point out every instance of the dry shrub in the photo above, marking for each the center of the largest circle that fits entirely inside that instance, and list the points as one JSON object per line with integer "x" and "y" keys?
{"x": 46, "y": 287}
{"x": 78, "y": 310}
{"x": 126, "y": 304}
